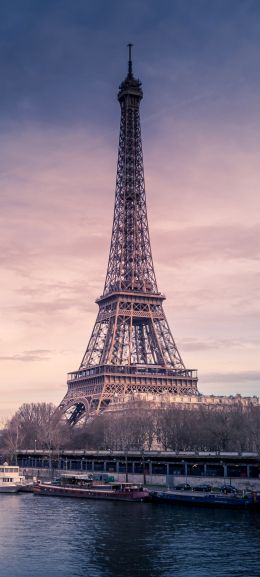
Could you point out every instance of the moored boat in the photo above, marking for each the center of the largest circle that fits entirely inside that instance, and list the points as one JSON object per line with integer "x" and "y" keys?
{"x": 10, "y": 479}
{"x": 244, "y": 501}
{"x": 85, "y": 488}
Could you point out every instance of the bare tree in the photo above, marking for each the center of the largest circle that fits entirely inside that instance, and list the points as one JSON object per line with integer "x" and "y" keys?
{"x": 138, "y": 426}
{"x": 12, "y": 438}
{"x": 33, "y": 426}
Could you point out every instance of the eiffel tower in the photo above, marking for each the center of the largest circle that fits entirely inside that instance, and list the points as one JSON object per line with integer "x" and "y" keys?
{"x": 131, "y": 350}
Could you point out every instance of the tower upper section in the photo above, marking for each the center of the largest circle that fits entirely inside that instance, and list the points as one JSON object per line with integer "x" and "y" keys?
{"x": 130, "y": 265}
{"x": 131, "y": 88}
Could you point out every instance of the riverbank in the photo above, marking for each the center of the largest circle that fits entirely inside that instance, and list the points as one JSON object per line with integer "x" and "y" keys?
{"x": 152, "y": 468}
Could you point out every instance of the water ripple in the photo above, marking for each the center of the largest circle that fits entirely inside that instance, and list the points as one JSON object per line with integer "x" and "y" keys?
{"x": 47, "y": 537}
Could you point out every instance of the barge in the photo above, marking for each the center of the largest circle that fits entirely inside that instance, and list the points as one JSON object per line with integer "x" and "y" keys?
{"x": 89, "y": 489}
{"x": 249, "y": 501}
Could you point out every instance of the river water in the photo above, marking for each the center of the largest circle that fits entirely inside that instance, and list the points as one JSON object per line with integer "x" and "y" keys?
{"x": 57, "y": 537}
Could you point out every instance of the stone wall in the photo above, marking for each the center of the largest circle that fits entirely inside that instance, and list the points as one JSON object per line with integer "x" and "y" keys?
{"x": 154, "y": 480}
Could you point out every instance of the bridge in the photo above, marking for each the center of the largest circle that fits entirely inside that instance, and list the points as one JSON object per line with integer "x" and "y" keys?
{"x": 151, "y": 467}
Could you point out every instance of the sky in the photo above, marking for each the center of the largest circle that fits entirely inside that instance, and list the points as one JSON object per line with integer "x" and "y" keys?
{"x": 61, "y": 62}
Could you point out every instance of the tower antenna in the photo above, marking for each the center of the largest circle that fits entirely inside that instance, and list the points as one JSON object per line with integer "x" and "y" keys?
{"x": 130, "y": 70}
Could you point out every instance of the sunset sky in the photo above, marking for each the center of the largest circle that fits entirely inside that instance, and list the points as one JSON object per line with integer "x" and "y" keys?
{"x": 61, "y": 63}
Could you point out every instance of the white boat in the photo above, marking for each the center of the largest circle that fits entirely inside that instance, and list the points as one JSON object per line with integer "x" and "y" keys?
{"x": 10, "y": 479}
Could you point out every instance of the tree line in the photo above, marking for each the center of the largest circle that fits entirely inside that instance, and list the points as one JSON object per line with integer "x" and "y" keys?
{"x": 140, "y": 426}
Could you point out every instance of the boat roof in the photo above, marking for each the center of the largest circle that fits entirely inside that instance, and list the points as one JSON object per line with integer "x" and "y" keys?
{"x": 6, "y": 466}
{"x": 79, "y": 476}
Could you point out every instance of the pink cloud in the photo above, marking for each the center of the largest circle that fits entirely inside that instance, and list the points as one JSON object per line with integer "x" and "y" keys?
{"x": 56, "y": 220}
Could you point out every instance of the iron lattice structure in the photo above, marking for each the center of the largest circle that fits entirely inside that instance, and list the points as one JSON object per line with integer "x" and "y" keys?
{"x": 131, "y": 349}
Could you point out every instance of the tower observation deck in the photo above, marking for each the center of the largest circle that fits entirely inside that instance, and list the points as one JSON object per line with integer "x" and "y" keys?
{"x": 131, "y": 350}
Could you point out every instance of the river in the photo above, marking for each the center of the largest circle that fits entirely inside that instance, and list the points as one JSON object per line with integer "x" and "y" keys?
{"x": 57, "y": 537}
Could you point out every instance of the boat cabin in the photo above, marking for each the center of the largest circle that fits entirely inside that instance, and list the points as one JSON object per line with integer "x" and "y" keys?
{"x": 9, "y": 474}
{"x": 10, "y": 478}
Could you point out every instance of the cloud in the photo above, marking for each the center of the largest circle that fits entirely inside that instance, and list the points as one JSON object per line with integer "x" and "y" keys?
{"x": 55, "y": 306}
{"x": 193, "y": 344}
{"x": 234, "y": 377}
{"x": 246, "y": 383}
{"x": 54, "y": 61}
{"x": 53, "y": 214}
{"x": 58, "y": 146}
{"x": 28, "y": 356}
{"x": 210, "y": 243}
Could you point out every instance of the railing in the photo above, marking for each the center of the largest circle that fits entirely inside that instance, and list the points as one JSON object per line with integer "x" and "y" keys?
{"x": 132, "y": 370}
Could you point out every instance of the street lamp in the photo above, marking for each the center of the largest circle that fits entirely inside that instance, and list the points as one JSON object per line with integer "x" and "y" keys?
{"x": 126, "y": 466}
{"x": 185, "y": 470}
{"x": 144, "y": 470}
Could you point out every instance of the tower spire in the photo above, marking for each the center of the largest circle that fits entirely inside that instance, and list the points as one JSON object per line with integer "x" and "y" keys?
{"x": 130, "y": 67}
{"x": 130, "y": 263}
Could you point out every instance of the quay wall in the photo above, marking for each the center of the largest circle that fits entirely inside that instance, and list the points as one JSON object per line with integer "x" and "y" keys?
{"x": 153, "y": 480}
{"x": 157, "y": 468}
